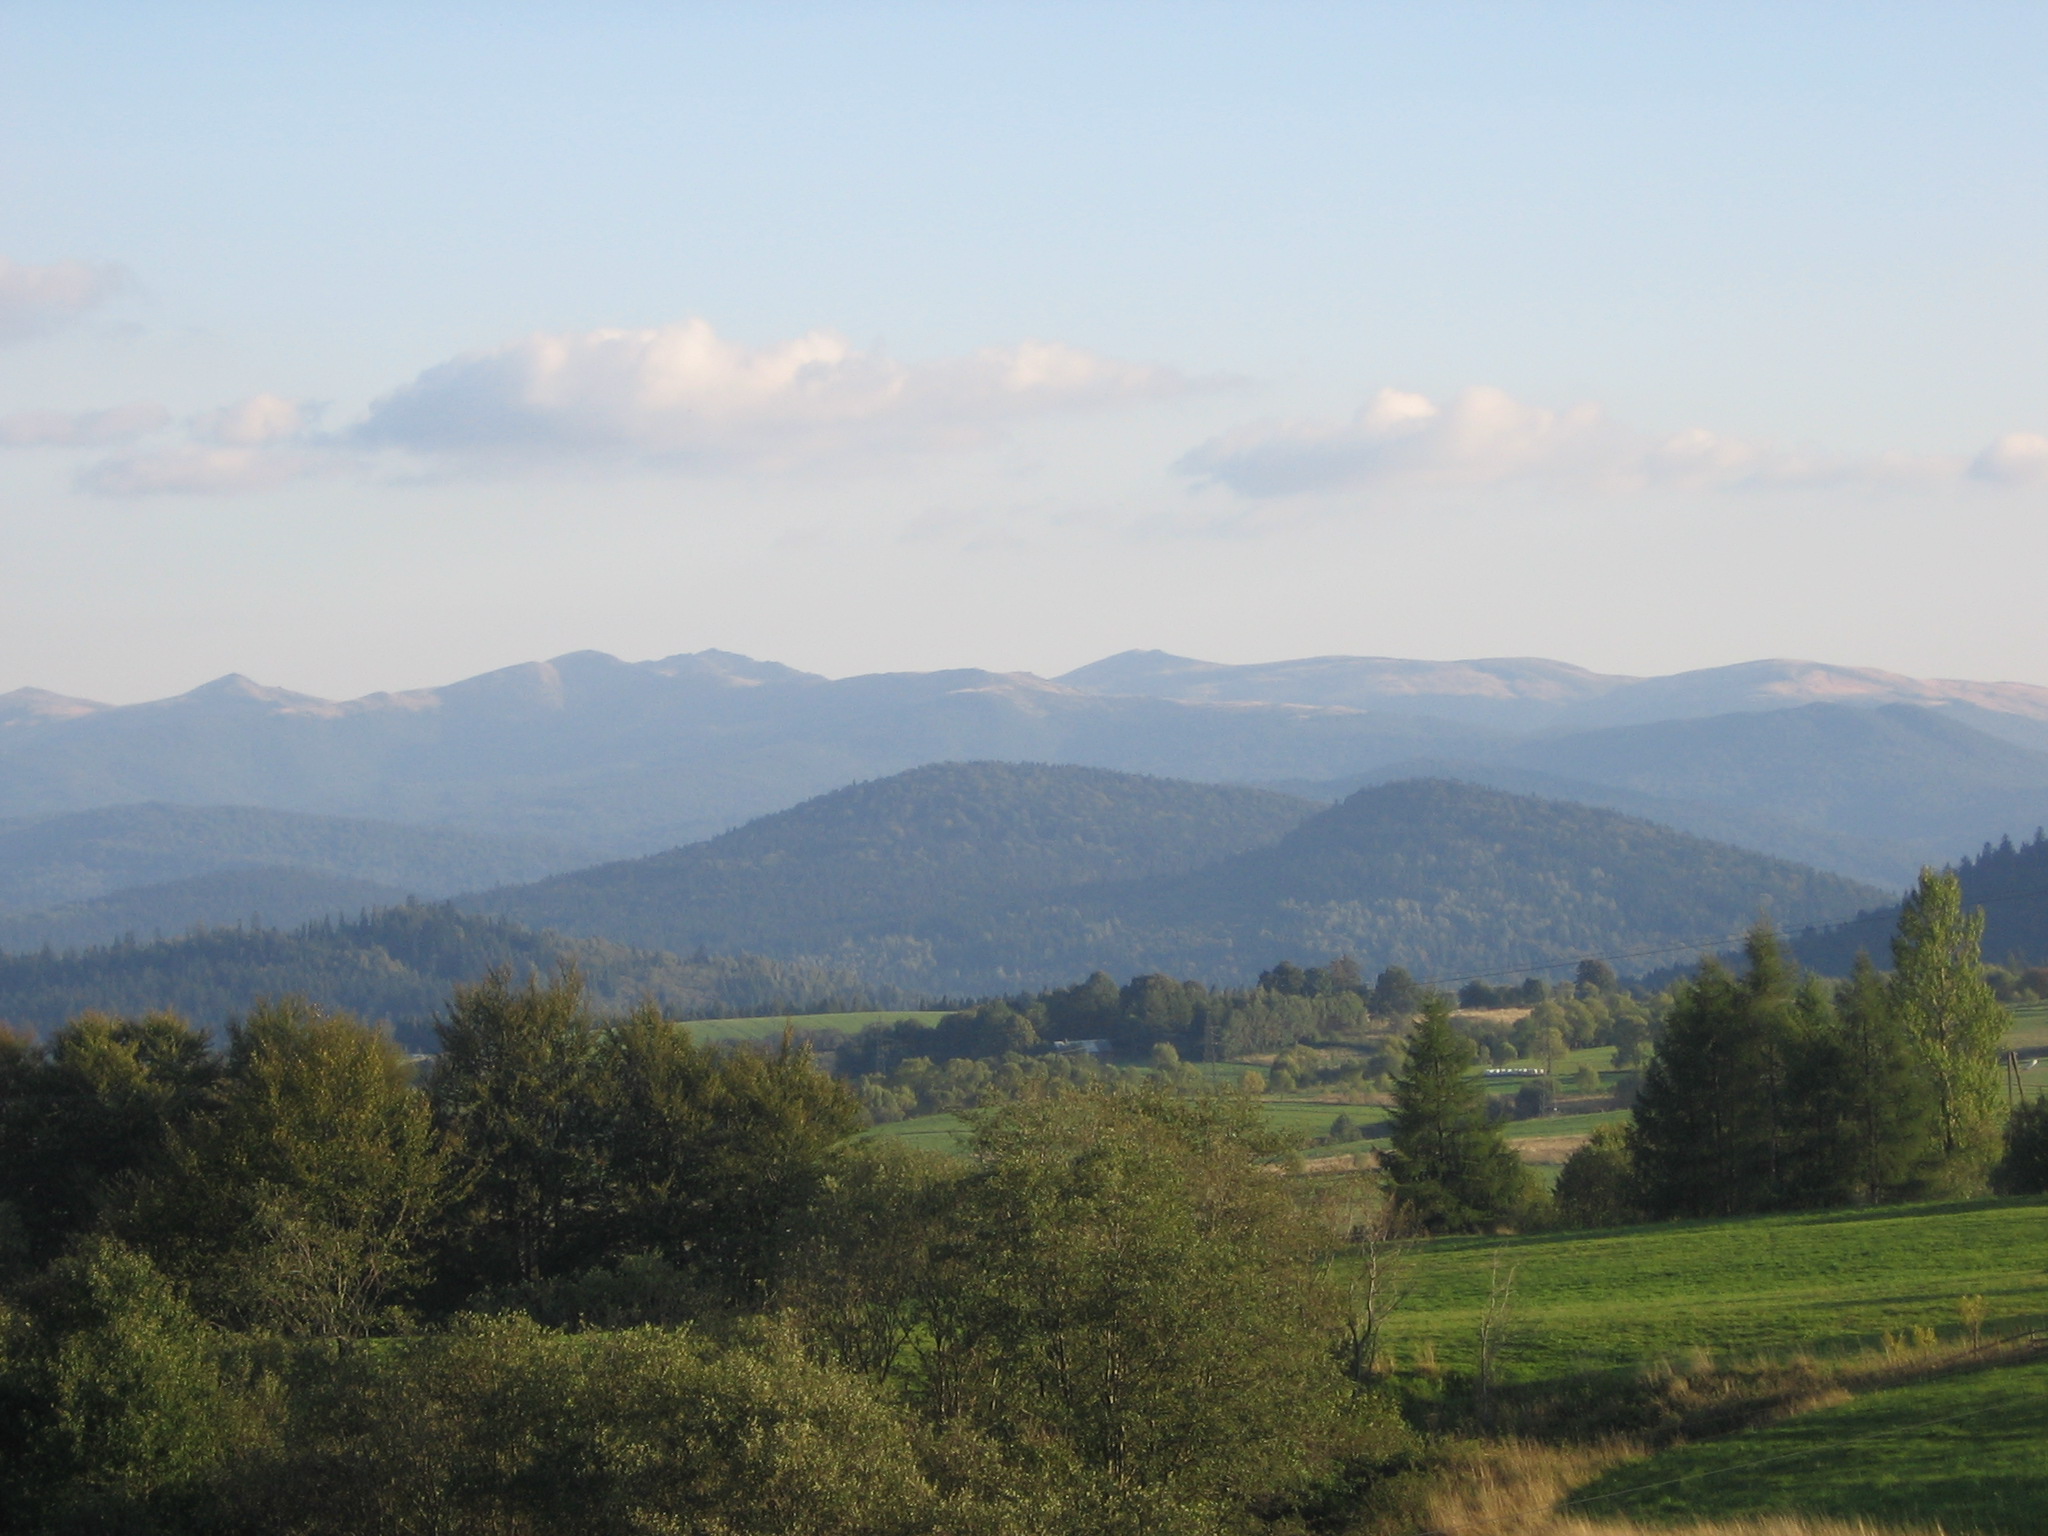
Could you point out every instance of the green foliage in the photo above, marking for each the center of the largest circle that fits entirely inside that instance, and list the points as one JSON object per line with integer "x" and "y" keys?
{"x": 115, "y": 1411}
{"x": 2024, "y": 1168}
{"x": 500, "y": 1425}
{"x": 1721, "y": 1124}
{"x": 1129, "y": 1289}
{"x": 1883, "y": 1101}
{"x": 98, "y": 1105}
{"x": 304, "y": 1200}
{"x": 1940, "y": 997}
{"x": 1597, "y": 1185}
{"x": 395, "y": 964}
{"x": 1449, "y": 1163}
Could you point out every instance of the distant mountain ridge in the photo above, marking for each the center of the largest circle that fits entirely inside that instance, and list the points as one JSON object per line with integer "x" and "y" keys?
{"x": 624, "y": 759}
{"x": 1433, "y": 875}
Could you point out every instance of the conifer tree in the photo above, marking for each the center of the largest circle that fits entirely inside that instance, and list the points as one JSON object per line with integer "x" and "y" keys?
{"x": 1450, "y": 1164}
{"x": 1717, "y": 1123}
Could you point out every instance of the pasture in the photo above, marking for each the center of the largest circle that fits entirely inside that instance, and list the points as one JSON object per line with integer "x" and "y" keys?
{"x": 1824, "y": 1283}
{"x": 770, "y": 1027}
{"x": 1969, "y": 1451}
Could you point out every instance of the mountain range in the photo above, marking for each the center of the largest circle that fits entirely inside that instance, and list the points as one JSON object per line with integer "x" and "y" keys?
{"x": 238, "y": 801}
{"x": 979, "y": 878}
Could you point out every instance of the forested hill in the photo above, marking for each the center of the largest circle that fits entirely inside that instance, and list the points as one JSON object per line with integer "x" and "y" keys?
{"x": 397, "y": 965}
{"x": 2008, "y": 881}
{"x": 1451, "y": 879}
{"x": 894, "y": 856}
{"x": 942, "y": 881}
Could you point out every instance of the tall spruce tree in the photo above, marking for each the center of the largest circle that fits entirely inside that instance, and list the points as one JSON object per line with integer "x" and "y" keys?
{"x": 1450, "y": 1164}
{"x": 1941, "y": 999}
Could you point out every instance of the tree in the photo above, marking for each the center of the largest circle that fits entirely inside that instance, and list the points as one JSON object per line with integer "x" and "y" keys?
{"x": 1449, "y": 1164}
{"x": 511, "y": 1089}
{"x": 304, "y": 1203}
{"x": 1946, "y": 1007}
{"x": 99, "y": 1104}
{"x": 115, "y": 1413}
{"x": 1883, "y": 1102}
{"x": 1715, "y": 1125}
{"x": 1395, "y": 994}
{"x": 1129, "y": 1288}
{"x": 1596, "y": 1187}
{"x": 708, "y": 1156}
{"x": 1597, "y": 974}
{"x": 2024, "y": 1168}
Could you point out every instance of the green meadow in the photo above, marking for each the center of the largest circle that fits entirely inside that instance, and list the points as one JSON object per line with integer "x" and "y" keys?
{"x": 1969, "y": 1451}
{"x": 1828, "y": 1282}
{"x": 771, "y": 1028}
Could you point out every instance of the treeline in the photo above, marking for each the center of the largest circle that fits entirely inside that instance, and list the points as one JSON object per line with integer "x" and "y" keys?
{"x": 398, "y": 964}
{"x": 1768, "y": 1090}
{"x": 598, "y": 1278}
{"x": 2007, "y": 880}
{"x": 1771, "y": 1090}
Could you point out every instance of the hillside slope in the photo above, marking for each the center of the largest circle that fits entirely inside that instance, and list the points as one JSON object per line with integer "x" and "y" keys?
{"x": 888, "y": 858}
{"x": 1873, "y": 793}
{"x": 259, "y": 896}
{"x": 1451, "y": 879}
{"x": 938, "y": 880}
{"x": 88, "y": 854}
{"x": 398, "y": 965}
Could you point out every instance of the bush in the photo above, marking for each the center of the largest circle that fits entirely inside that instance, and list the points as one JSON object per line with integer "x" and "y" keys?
{"x": 1597, "y": 1185}
{"x": 2024, "y": 1168}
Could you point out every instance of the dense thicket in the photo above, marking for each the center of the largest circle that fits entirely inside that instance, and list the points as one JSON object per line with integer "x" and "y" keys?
{"x": 396, "y": 964}
{"x": 620, "y": 1282}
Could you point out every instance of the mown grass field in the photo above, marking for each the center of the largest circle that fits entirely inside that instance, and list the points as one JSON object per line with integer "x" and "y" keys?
{"x": 771, "y": 1028}
{"x": 1969, "y": 1451}
{"x": 1825, "y": 1282}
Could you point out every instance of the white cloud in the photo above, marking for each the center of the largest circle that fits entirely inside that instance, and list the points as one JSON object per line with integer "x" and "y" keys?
{"x": 194, "y": 470}
{"x": 1484, "y": 436}
{"x": 2018, "y": 458}
{"x": 683, "y": 390}
{"x": 82, "y": 429}
{"x": 35, "y": 300}
{"x": 259, "y": 419}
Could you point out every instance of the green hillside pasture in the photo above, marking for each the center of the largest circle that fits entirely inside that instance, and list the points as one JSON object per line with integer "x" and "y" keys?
{"x": 771, "y": 1028}
{"x": 1968, "y": 1450}
{"x": 1825, "y": 1282}
{"x": 931, "y": 1133}
{"x": 2029, "y": 1028}
{"x": 1300, "y": 1118}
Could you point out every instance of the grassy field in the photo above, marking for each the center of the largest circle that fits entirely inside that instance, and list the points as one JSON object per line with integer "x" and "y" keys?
{"x": 1969, "y": 1450}
{"x": 772, "y": 1028}
{"x": 1827, "y": 1282}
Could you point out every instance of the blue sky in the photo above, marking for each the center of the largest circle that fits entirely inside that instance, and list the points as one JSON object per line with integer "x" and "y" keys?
{"x": 358, "y": 346}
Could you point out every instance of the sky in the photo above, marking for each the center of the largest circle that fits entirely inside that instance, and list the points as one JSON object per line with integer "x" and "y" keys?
{"x": 357, "y": 347}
